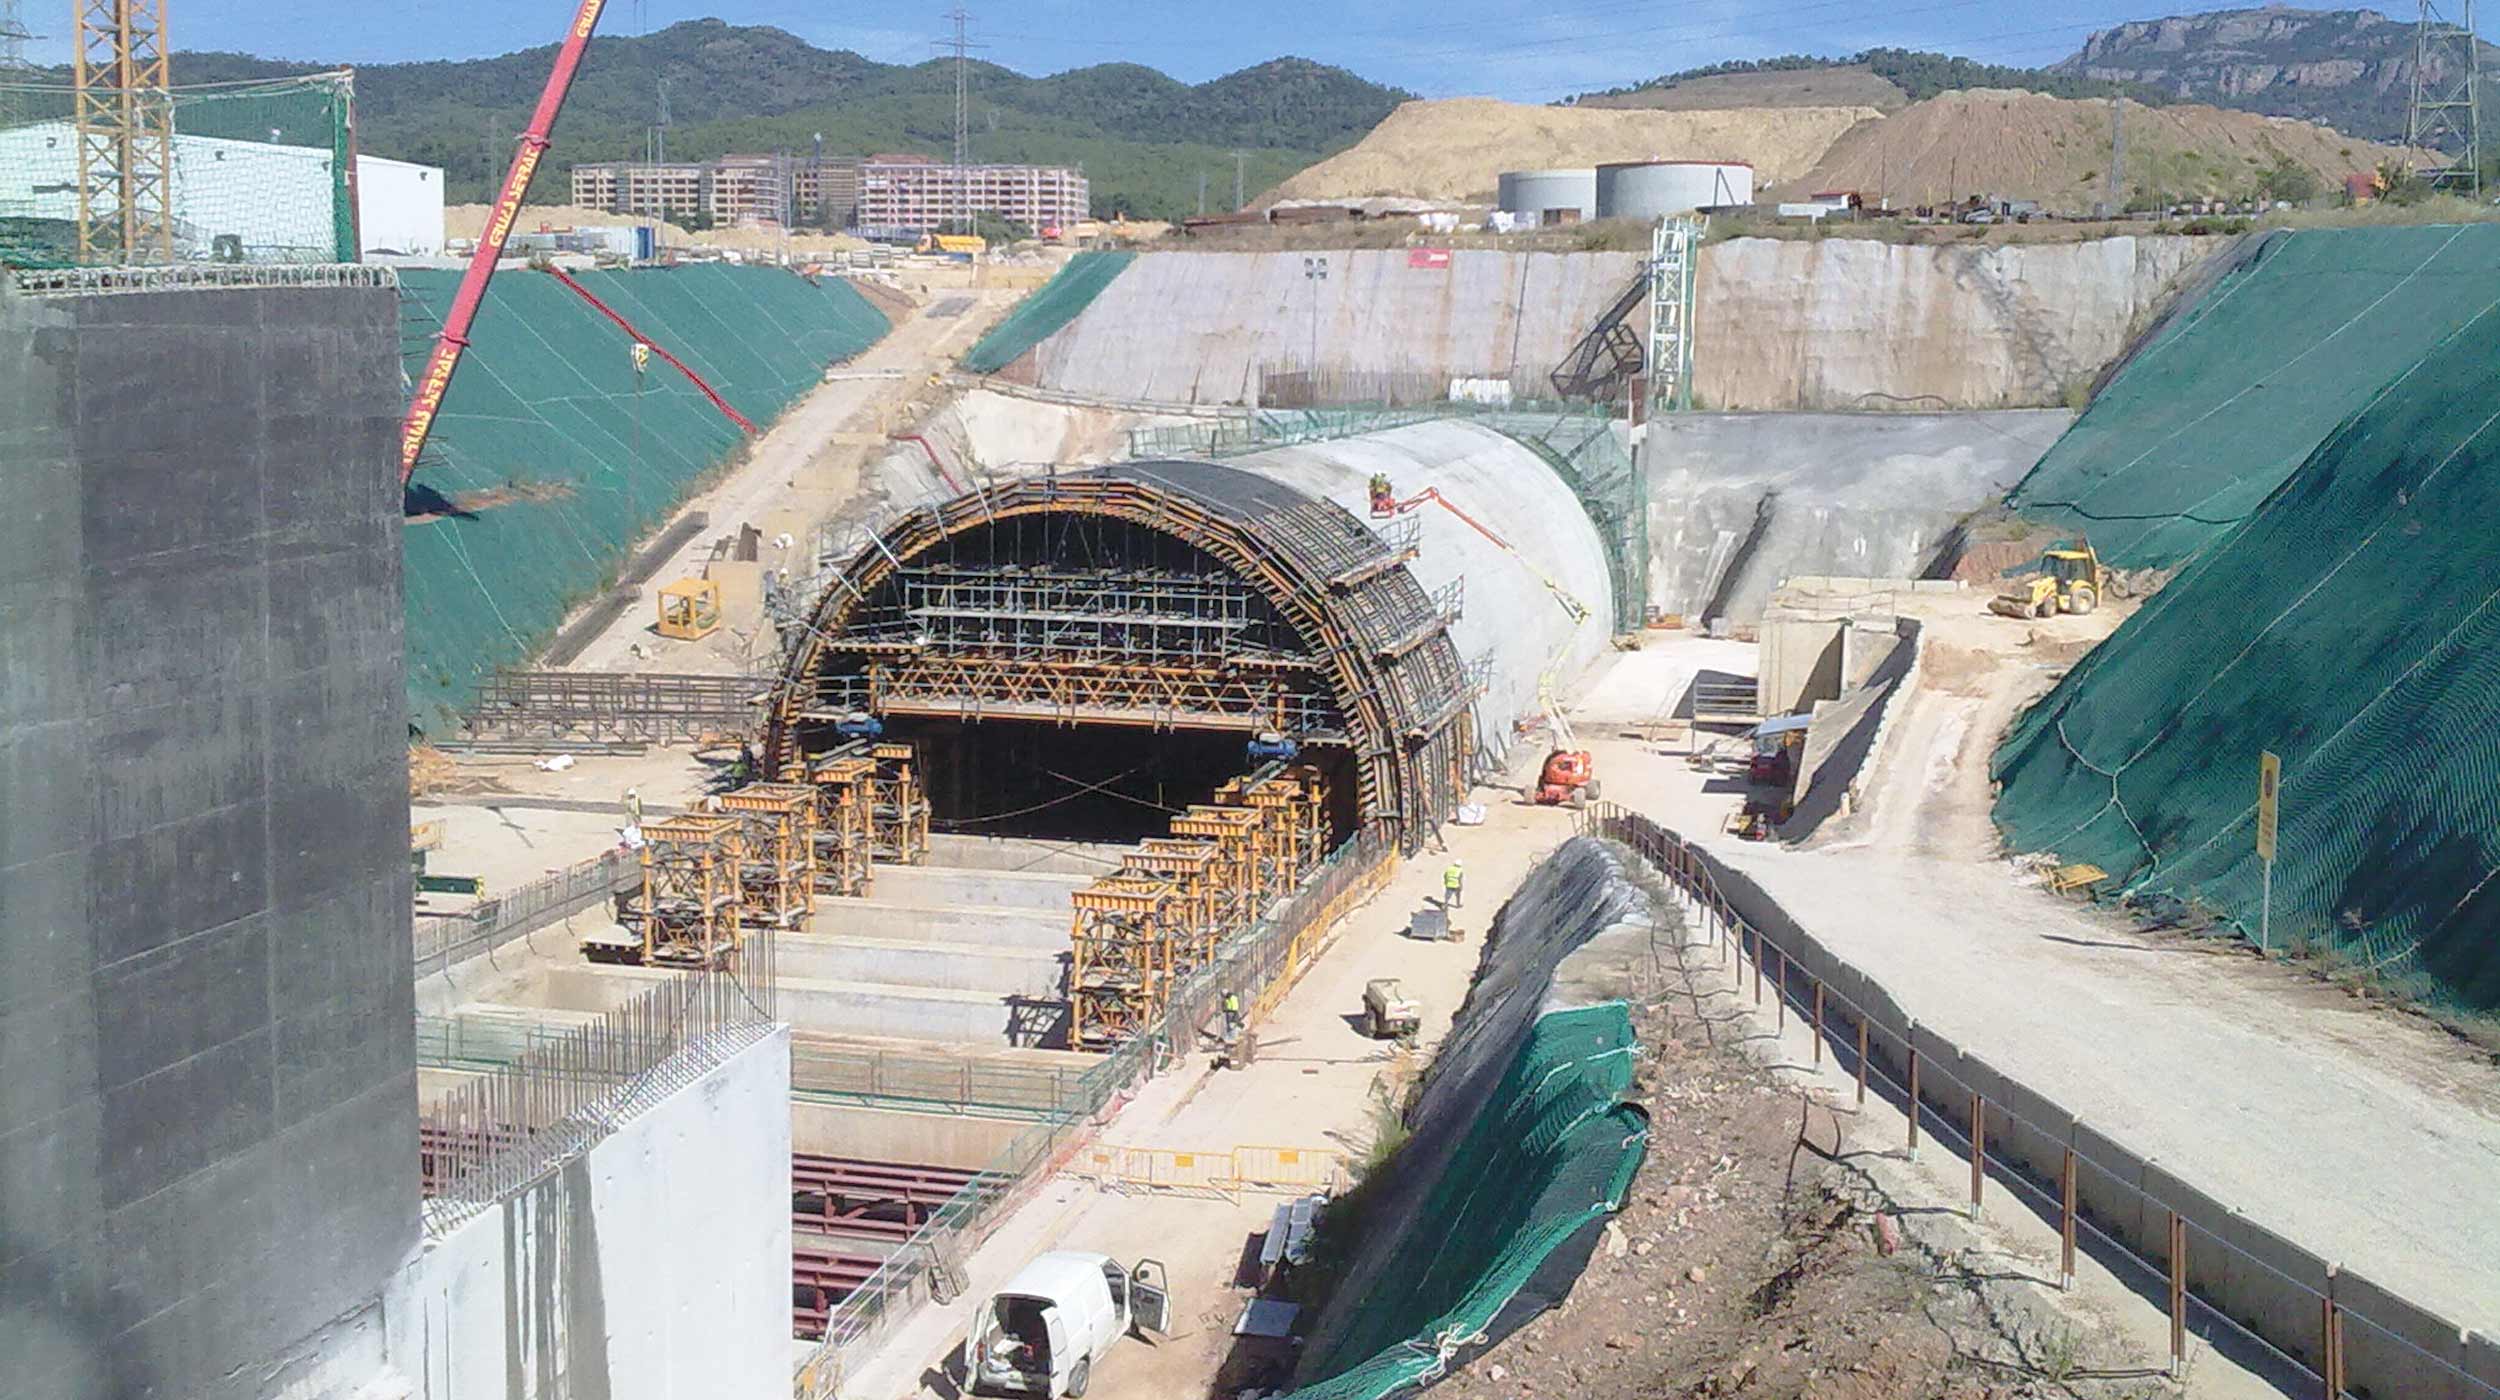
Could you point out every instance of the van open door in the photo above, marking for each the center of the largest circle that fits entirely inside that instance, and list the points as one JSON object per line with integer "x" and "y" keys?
{"x": 1150, "y": 1297}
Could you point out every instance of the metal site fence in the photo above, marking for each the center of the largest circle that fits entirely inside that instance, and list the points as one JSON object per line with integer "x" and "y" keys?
{"x": 2304, "y": 1324}
{"x": 1262, "y": 962}
{"x": 925, "y": 1080}
{"x": 491, "y": 1137}
{"x": 446, "y": 940}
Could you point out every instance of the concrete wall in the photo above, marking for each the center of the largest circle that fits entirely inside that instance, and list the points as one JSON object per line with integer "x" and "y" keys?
{"x": 654, "y": 1266}
{"x": 964, "y": 1141}
{"x": 1740, "y": 501}
{"x": 207, "y": 1116}
{"x": 1509, "y": 615}
{"x": 1196, "y": 327}
{"x": 1825, "y": 323}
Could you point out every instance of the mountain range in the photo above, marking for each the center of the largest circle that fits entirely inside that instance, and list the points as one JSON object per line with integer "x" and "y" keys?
{"x": 1145, "y": 140}
{"x": 2347, "y": 69}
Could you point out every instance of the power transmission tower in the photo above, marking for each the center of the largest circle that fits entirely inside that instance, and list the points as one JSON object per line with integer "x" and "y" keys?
{"x": 13, "y": 37}
{"x": 125, "y": 124}
{"x": 2117, "y": 187}
{"x": 961, "y": 45}
{"x": 1241, "y": 167}
{"x": 2446, "y": 115}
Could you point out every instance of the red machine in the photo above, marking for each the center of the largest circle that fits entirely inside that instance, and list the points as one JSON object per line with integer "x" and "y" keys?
{"x": 1570, "y": 776}
{"x": 507, "y": 208}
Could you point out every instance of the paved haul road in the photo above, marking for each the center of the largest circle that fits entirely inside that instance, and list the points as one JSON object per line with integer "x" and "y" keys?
{"x": 2370, "y": 1138}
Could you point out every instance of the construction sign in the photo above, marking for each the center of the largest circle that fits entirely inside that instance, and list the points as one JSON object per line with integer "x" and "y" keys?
{"x": 2269, "y": 789}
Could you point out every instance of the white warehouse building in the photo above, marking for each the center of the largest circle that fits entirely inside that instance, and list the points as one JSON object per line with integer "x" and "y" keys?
{"x": 274, "y": 202}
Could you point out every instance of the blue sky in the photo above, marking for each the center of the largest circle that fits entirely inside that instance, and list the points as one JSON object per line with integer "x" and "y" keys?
{"x": 1441, "y": 48}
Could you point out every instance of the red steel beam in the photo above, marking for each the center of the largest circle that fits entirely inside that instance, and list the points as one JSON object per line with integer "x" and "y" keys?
{"x": 658, "y": 349}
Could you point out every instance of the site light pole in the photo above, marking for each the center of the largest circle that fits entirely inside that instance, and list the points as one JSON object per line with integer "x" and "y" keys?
{"x": 1315, "y": 271}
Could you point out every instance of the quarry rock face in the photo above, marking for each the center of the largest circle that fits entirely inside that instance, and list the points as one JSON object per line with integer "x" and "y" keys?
{"x": 1874, "y": 326}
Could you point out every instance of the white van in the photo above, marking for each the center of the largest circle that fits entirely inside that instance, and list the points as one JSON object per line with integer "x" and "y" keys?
{"x": 1042, "y": 1333}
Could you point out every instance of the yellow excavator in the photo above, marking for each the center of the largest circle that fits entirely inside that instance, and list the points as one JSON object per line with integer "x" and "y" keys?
{"x": 2071, "y": 581}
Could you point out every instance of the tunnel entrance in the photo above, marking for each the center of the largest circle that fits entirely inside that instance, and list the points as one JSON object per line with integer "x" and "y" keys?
{"x": 1094, "y": 783}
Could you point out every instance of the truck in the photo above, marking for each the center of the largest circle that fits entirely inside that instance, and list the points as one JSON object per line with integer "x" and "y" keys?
{"x": 959, "y": 244}
{"x": 1042, "y": 1333}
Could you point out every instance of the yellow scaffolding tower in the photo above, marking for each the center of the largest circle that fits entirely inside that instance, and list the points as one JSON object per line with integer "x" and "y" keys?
{"x": 777, "y": 831}
{"x": 1238, "y": 834}
{"x": 845, "y": 836}
{"x": 900, "y": 807}
{"x": 1190, "y": 868}
{"x": 687, "y": 911}
{"x": 1124, "y": 935}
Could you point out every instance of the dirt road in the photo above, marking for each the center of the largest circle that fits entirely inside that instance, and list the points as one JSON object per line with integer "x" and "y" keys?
{"x": 2372, "y": 1138}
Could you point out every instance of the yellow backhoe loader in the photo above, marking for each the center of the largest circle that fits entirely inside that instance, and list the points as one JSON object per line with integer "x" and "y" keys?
{"x": 2073, "y": 581}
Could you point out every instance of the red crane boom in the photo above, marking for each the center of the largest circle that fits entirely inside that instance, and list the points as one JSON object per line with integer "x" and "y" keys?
{"x": 499, "y": 220}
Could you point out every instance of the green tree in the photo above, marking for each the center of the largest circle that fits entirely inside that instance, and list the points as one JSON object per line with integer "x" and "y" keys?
{"x": 2289, "y": 181}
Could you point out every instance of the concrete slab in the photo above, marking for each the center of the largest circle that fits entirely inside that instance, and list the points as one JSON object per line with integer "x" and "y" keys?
{"x": 964, "y": 967}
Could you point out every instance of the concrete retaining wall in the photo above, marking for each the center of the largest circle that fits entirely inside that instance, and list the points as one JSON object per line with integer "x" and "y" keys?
{"x": 2271, "y": 1286}
{"x": 207, "y": 1113}
{"x": 1196, "y": 327}
{"x": 1855, "y": 323}
{"x": 1740, "y": 501}
{"x": 963, "y": 967}
{"x": 653, "y": 1267}
{"x": 963, "y": 1141}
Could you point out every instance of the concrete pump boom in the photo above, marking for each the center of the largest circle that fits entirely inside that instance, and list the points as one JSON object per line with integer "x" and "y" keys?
{"x": 499, "y": 220}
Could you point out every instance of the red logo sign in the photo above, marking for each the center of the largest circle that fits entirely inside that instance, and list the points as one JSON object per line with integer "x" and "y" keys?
{"x": 1437, "y": 259}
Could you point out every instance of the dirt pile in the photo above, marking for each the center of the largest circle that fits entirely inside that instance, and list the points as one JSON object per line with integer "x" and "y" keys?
{"x": 2024, "y": 145}
{"x": 1454, "y": 148}
{"x": 1750, "y": 1262}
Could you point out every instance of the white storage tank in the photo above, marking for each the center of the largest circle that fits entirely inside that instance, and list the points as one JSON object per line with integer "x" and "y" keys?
{"x": 1659, "y": 189}
{"x": 1566, "y": 196}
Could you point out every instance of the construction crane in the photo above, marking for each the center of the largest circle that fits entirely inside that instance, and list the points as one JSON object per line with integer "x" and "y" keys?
{"x": 1569, "y": 774}
{"x": 436, "y": 380}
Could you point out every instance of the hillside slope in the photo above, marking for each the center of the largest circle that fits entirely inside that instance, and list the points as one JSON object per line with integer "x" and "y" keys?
{"x": 1143, "y": 137}
{"x": 2022, "y": 145}
{"x": 1840, "y": 85}
{"x": 1454, "y": 148}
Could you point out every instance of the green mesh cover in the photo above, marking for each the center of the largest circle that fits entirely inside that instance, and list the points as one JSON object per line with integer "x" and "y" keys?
{"x": 551, "y": 456}
{"x": 1553, "y": 1150}
{"x": 2240, "y": 389}
{"x": 2351, "y": 626}
{"x": 1053, "y": 305}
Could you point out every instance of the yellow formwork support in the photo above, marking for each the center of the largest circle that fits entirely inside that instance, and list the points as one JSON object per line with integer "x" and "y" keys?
{"x": 900, "y": 814}
{"x": 1123, "y": 939}
{"x": 687, "y": 911}
{"x": 778, "y": 831}
{"x": 845, "y": 823}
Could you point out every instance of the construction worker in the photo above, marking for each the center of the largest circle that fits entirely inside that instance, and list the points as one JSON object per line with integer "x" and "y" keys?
{"x": 1453, "y": 883}
{"x": 1232, "y": 1013}
{"x": 633, "y": 806}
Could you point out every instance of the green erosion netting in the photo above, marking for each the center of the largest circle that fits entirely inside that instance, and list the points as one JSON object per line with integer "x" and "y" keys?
{"x": 259, "y": 174}
{"x": 557, "y": 455}
{"x": 2240, "y": 388}
{"x": 2350, "y": 627}
{"x": 1550, "y": 1153}
{"x": 1051, "y": 306}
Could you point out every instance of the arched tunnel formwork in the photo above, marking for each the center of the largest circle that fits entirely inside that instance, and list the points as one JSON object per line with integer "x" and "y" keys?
{"x": 1204, "y": 604}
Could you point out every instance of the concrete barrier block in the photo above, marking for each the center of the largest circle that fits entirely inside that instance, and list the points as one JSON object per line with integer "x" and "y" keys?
{"x": 2482, "y": 1359}
{"x": 2109, "y": 1187}
{"x": 2393, "y": 1347}
{"x": 2032, "y": 1134}
{"x": 2207, "y": 1218}
{"x": 2272, "y": 1287}
{"x": 1941, "y": 1081}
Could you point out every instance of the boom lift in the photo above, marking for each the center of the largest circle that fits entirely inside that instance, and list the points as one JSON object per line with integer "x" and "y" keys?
{"x": 436, "y": 380}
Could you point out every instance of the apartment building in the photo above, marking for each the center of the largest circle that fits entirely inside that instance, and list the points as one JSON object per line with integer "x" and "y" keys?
{"x": 915, "y": 192}
{"x": 730, "y": 190}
